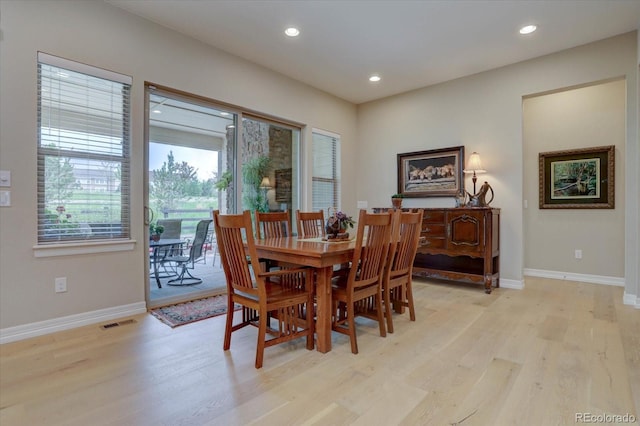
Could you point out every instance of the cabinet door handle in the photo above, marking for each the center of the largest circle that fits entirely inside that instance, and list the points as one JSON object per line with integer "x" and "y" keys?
{"x": 426, "y": 229}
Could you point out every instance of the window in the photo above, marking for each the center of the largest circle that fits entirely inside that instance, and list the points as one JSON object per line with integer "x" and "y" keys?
{"x": 326, "y": 170}
{"x": 83, "y": 152}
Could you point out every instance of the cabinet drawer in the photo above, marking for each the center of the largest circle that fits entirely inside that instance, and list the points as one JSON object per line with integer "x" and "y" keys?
{"x": 433, "y": 216}
{"x": 432, "y": 243}
{"x": 433, "y": 229}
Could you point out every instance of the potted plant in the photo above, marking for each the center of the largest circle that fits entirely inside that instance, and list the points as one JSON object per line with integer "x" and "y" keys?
{"x": 155, "y": 231}
{"x": 253, "y": 171}
{"x": 338, "y": 223}
{"x": 396, "y": 200}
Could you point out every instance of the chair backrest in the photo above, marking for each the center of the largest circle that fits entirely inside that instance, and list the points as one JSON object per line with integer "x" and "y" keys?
{"x": 372, "y": 246}
{"x": 172, "y": 228}
{"x": 231, "y": 232}
{"x": 273, "y": 224}
{"x": 310, "y": 224}
{"x": 202, "y": 229}
{"x": 404, "y": 243}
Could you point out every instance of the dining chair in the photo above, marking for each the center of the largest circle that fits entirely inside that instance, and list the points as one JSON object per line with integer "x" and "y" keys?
{"x": 360, "y": 293}
{"x": 195, "y": 252}
{"x": 396, "y": 285}
{"x": 286, "y": 291}
{"x": 273, "y": 224}
{"x": 310, "y": 224}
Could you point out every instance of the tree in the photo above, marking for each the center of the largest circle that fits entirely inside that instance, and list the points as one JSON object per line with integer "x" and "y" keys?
{"x": 172, "y": 182}
{"x": 59, "y": 181}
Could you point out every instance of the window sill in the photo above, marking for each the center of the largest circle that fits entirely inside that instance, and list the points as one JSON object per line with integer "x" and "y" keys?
{"x": 71, "y": 249}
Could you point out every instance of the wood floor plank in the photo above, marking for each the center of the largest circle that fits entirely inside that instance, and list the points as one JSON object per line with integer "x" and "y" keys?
{"x": 535, "y": 356}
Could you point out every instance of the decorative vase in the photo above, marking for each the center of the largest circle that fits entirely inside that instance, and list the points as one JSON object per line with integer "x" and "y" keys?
{"x": 155, "y": 237}
{"x": 397, "y": 202}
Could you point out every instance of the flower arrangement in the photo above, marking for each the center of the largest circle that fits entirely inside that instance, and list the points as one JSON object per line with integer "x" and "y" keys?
{"x": 344, "y": 220}
{"x": 338, "y": 222}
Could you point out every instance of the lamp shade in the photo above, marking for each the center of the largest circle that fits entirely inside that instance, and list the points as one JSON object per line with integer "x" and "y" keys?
{"x": 474, "y": 165}
{"x": 265, "y": 183}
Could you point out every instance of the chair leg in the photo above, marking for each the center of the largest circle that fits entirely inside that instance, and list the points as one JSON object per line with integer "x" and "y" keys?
{"x": 310, "y": 323}
{"x": 387, "y": 309}
{"x": 229, "y": 325}
{"x": 351, "y": 315}
{"x": 383, "y": 330}
{"x": 262, "y": 335}
{"x": 412, "y": 311}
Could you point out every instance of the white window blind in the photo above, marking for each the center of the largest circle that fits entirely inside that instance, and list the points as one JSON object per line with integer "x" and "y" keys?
{"x": 83, "y": 152}
{"x": 326, "y": 171}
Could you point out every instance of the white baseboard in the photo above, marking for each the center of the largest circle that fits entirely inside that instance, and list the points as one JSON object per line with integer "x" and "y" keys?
{"x": 572, "y": 276}
{"x": 21, "y": 332}
{"x": 628, "y": 299}
{"x": 514, "y": 284}
{"x": 631, "y": 299}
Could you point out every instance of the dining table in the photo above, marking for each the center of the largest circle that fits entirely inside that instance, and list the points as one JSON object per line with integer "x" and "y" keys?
{"x": 321, "y": 256}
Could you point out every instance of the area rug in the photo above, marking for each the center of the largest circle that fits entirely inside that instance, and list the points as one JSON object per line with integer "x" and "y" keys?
{"x": 196, "y": 310}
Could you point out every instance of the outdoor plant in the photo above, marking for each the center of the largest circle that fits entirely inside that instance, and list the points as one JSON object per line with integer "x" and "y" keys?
{"x": 224, "y": 182}
{"x": 155, "y": 229}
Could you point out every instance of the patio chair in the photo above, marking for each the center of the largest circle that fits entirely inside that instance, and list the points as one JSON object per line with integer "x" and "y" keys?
{"x": 195, "y": 252}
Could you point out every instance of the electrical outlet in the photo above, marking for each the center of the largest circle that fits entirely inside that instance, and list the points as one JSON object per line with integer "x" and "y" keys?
{"x": 578, "y": 254}
{"x": 61, "y": 285}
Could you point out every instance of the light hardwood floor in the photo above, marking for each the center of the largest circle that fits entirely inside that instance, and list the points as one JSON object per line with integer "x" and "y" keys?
{"x": 535, "y": 356}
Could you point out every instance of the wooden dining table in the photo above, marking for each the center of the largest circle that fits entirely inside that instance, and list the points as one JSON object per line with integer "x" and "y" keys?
{"x": 319, "y": 255}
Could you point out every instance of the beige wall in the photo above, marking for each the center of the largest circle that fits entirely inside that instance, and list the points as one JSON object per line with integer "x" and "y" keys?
{"x": 483, "y": 112}
{"x": 579, "y": 118}
{"x": 104, "y": 36}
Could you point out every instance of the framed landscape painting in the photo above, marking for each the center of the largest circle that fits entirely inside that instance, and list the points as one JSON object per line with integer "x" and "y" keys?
{"x": 433, "y": 173}
{"x": 577, "y": 179}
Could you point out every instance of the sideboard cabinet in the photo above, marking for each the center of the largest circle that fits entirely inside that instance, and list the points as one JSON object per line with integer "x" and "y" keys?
{"x": 460, "y": 244}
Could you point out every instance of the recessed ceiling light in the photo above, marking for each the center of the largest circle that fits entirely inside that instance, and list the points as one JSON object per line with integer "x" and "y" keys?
{"x": 157, "y": 111}
{"x": 528, "y": 29}
{"x": 374, "y": 78}
{"x": 292, "y": 32}
{"x": 224, "y": 114}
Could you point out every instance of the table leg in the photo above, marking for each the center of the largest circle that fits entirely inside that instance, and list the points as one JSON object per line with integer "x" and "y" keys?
{"x": 323, "y": 313}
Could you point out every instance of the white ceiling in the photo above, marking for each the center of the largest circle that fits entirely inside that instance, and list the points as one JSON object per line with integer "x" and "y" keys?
{"x": 410, "y": 44}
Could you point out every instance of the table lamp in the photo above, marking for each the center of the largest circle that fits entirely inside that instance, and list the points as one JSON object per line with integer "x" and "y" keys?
{"x": 474, "y": 165}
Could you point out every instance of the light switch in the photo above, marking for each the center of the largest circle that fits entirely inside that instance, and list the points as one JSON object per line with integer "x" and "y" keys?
{"x": 5, "y": 198}
{"x": 5, "y": 178}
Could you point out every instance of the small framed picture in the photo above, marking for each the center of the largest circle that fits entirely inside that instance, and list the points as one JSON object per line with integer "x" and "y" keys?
{"x": 433, "y": 173}
{"x": 577, "y": 179}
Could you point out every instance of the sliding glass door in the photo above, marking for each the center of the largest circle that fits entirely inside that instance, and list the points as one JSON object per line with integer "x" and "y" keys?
{"x": 201, "y": 157}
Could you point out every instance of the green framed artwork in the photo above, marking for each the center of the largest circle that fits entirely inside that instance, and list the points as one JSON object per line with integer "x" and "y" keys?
{"x": 577, "y": 179}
